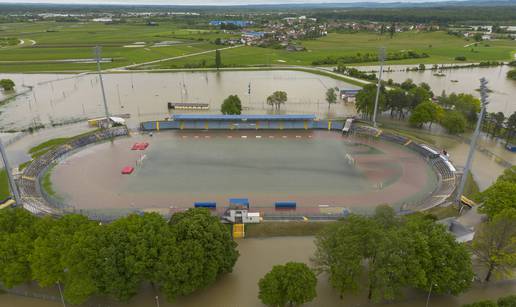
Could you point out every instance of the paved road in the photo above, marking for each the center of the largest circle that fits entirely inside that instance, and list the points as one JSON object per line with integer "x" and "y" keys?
{"x": 169, "y": 59}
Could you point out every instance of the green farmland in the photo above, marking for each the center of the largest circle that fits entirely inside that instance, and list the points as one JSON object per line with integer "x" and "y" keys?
{"x": 44, "y": 46}
{"x": 441, "y": 48}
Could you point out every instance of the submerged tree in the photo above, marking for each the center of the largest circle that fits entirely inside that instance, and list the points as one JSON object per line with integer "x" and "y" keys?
{"x": 7, "y": 84}
{"x": 277, "y": 99}
{"x": 495, "y": 244}
{"x": 331, "y": 97}
{"x": 293, "y": 284}
{"x": 231, "y": 106}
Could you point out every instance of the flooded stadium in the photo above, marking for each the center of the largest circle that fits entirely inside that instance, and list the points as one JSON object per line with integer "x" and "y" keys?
{"x": 321, "y": 171}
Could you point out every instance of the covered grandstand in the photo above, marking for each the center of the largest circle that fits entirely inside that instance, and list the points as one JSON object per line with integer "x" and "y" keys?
{"x": 233, "y": 122}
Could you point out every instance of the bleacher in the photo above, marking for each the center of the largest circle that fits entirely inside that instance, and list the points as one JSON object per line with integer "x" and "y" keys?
{"x": 33, "y": 198}
{"x": 442, "y": 166}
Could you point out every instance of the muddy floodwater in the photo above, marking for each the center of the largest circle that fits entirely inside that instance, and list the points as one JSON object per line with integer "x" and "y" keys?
{"x": 463, "y": 80}
{"x": 144, "y": 96}
{"x": 311, "y": 168}
{"x": 257, "y": 256}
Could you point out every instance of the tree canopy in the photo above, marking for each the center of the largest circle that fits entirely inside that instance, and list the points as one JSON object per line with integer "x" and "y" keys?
{"x": 231, "y": 105}
{"x": 277, "y": 99}
{"x": 399, "y": 252}
{"x": 7, "y": 84}
{"x": 293, "y": 283}
{"x": 495, "y": 244}
{"x": 365, "y": 100}
{"x": 454, "y": 122}
{"x": 89, "y": 258}
{"x": 426, "y": 112}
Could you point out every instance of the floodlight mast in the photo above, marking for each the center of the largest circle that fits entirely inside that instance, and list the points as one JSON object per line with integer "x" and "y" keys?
{"x": 98, "y": 58}
{"x": 12, "y": 183}
{"x": 381, "y": 58}
{"x": 484, "y": 102}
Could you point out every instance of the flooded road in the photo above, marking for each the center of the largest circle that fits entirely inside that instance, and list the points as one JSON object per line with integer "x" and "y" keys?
{"x": 463, "y": 80}
{"x": 257, "y": 256}
{"x": 144, "y": 96}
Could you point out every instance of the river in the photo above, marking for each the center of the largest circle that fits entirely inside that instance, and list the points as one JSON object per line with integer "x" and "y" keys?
{"x": 257, "y": 256}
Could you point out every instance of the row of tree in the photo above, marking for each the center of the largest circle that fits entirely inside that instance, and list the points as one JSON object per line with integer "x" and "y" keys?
{"x": 89, "y": 258}
{"x": 455, "y": 112}
{"x": 392, "y": 253}
{"x": 498, "y": 125}
{"x": 233, "y": 105}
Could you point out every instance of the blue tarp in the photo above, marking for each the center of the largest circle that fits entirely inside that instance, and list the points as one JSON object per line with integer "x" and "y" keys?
{"x": 205, "y": 205}
{"x": 285, "y": 204}
{"x": 239, "y": 201}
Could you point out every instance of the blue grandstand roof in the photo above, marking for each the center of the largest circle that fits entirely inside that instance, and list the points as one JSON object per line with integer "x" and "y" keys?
{"x": 242, "y": 117}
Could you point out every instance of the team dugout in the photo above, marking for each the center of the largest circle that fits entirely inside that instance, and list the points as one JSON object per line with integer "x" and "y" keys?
{"x": 192, "y": 121}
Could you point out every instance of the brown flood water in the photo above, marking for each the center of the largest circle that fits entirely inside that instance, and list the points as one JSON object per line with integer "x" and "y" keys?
{"x": 257, "y": 256}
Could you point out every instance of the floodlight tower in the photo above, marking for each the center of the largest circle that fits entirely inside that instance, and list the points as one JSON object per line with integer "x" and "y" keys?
{"x": 473, "y": 144}
{"x": 98, "y": 51}
{"x": 12, "y": 183}
{"x": 381, "y": 58}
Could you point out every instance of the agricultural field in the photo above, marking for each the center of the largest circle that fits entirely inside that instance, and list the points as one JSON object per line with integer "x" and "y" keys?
{"x": 441, "y": 48}
{"x": 44, "y": 45}
{"x": 63, "y": 46}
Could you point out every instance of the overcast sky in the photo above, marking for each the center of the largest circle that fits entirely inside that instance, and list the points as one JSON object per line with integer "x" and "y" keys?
{"x": 202, "y": 2}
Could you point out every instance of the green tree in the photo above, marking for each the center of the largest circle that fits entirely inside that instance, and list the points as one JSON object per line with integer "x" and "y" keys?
{"x": 293, "y": 284}
{"x": 397, "y": 101}
{"x": 231, "y": 105}
{"x": 365, "y": 100}
{"x": 17, "y": 235}
{"x": 454, "y": 122}
{"x": 510, "y": 128}
{"x": 203, "y": 251}
{"x": 426, "y": 112}
{"x": 52, "y": 246}
{"x": 331, "y": 97}
{"x": 7, "y": 84}
{"x": 498, "y": 121}
{"x": 511, "y": 74}
{"x": 394, "y": 253}
{"x": 485, "y": 303}
{"x": 83, "y": 264}
{"x": 498, "y": 197}
{"x": 392, "y": 29}
{"x": 495, "y": 244}
{"x": 130, "y": 251}
{"x": 277, "y": 99}
{"x": 468, "y": 105}
{"x": 446, "y": 263}
{"x": 218, "y": 59}
{"x": 477, "y": 37}
{"x": 509, "y": 175}
{"x": 507, "y": 301}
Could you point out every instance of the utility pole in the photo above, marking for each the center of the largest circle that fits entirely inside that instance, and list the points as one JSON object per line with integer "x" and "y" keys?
{"x": 98, "y": 58}
{"x": 473, "y": 144}
{"x": 381, "y": 58}
{"x": 12, "y": 183}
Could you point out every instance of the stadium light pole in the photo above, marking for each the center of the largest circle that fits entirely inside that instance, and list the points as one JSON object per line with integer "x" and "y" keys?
{"x": 12, "y": 183}
{"x": 381, "y": 57}
{"x": 98, "y": 51}
{"x": 473, "y": 144}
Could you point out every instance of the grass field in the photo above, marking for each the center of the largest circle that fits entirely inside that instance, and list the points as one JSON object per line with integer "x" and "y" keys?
{"x": 441, "y": 47}
{"x": 4, "y": 185}
{"x": 44, "y": 42}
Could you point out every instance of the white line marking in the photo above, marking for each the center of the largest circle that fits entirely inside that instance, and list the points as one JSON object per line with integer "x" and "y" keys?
{"x": 230, "y": 136}
{"x": 196, "y": 137}
{"x": 258, "y": 136}
{"x": 298, "y": 136}
{"x": 284, "y": 136}
{"x": 244, "y": 136}
{"x": 271, "y": 136}
{"x": 207, "y": 136}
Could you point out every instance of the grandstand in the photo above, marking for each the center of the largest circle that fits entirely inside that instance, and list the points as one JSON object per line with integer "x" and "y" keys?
{"x": 33, "y": 197}
{"x": 36, "y": 200}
